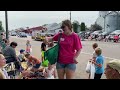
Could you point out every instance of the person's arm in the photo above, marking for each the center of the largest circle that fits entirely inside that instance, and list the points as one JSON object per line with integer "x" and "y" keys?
{"x": 76, "y": 55}
{"x": 77, "y": 46}
{"x": 99, "y": 65}
{"x": 51, "y": 39}
{"x": 98, "y": 62}
{"x": 55, "y": 75}
{"x": 48, "y": 40}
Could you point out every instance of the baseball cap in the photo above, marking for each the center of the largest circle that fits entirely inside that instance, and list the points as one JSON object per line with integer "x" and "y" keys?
{"x": 115, "y": 64}
{"x": 22, "y": 50}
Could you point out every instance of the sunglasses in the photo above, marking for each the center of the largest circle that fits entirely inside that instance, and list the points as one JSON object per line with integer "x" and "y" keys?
{"x": 62, "y": 27}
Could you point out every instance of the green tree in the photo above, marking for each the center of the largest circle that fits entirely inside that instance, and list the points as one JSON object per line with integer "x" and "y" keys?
{"x": 83, "y": 26}
{"x": 95, "y": 27}
{"x": 1, "y": 28}
{"x": 75, "y": 26}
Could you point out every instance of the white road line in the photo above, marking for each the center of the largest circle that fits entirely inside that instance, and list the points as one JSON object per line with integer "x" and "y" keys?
{"x": 104, "y": 56}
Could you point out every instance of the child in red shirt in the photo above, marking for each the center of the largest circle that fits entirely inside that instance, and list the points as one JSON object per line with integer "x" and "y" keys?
{"x": 34, "y": 61}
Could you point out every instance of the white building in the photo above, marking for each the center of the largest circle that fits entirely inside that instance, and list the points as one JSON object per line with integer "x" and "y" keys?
{"x": 53, "y": 28}
{"x": 109, "y": 20}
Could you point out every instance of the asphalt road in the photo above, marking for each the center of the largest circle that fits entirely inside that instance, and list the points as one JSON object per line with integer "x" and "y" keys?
{"x": 110, "y": 51}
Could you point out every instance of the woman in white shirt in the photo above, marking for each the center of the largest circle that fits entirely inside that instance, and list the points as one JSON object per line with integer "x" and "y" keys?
{"x": 3, "y": 72}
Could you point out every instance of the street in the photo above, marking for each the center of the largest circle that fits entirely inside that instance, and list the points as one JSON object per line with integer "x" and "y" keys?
{"x": 109, "y": 50}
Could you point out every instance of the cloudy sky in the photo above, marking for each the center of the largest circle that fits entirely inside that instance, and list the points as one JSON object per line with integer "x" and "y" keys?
{"x": 19, "y": 19}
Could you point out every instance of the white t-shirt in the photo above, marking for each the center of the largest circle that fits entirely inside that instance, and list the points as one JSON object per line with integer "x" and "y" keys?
{"x": 4, "y": 73}
{"x": 94, "y": 54}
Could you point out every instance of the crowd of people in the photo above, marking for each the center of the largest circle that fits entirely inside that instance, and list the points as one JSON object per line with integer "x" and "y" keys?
{"x": 65, "y": 67}
{"x": 105, "y": 38}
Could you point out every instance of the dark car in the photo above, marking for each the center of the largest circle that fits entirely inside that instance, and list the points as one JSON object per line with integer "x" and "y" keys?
{"x": 22, "y": 35}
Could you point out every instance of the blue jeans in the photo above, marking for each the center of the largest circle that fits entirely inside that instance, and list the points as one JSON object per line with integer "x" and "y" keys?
{"x": 37, "y": 66}
{"x": 67, "y": 66}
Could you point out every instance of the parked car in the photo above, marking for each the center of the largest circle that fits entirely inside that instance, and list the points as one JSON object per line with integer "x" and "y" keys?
{"x": 40, "y": 36}
{"x": 116, "y": 32}
{"x": 13, "y": 34}
{"x": 22, "y": 35}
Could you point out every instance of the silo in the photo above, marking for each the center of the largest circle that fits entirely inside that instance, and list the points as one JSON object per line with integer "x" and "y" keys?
{"x": 103, "y": 13}
{"x": 112, "y": 22}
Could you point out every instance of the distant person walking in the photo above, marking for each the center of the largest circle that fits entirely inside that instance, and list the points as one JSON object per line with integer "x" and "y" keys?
{"x": 70, "y": 47}
{"x": 28, "y": 47}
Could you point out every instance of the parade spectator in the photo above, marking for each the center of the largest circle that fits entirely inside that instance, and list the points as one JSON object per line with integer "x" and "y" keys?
{"x": 36, "y": 63}
{"x": 21, "y": 56}
{"x": 112, "y": 70}
{"x": 28, "y": 47}
{"x": 43, "y": 49}
{"x": 116, "y": 38}
{"x": 99, "y": 68}
{"x": 10, "y": 53}
{"x": 70, "y": 47}
{"x": 94, "y": 46}
{"x": 7, "y": 42}
{"x": 3, "y": 72}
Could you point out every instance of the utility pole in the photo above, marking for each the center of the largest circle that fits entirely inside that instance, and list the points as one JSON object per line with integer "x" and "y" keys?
{"x": 70, "y": 15}
{"x": 6, "y": 20}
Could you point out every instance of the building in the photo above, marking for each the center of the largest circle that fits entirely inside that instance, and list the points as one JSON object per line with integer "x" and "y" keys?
{"x": 109, "y": 20}
{"x": 53, "y": 28}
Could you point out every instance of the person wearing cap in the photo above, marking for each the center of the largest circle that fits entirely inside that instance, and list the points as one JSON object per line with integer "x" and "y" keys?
{"x": 21, "y": 56}
{"x": 112, "y": 70}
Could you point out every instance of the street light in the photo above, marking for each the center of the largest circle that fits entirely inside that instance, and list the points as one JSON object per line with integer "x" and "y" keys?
{"x": 6, "y": 20}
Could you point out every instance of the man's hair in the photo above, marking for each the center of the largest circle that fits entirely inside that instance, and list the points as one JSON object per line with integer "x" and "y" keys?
{"x": 5, "y": 40}
{"x": 95, "y": 45}
{"x": 98, "y": 51}
{"x": 13, "y": 43}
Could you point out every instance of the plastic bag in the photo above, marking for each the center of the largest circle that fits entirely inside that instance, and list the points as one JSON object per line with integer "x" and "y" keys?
{"x": 92, "y": 71}
{"x": 88, "y": 67}
{"x": 45, "y": 63}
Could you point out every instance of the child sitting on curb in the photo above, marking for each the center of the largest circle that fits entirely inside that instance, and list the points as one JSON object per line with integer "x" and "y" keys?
{"x": 36, "y": 63}
{"x": 21, "y": 56}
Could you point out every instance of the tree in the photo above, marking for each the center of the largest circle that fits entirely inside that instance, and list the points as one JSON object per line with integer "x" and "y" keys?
{"x": 82, "y": 26}
{"x": 1, "y": 28}
{"x": 75, "y": 26}
{"x": 95, "y": 27}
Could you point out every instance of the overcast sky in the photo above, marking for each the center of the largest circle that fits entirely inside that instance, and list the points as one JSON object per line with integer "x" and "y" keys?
{"x": 19, "y": 19}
